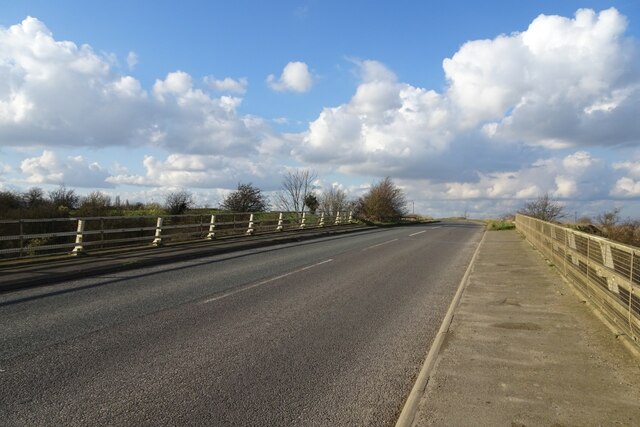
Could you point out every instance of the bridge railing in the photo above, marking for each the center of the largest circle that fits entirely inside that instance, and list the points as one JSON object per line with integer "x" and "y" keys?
{"x": 37, "y": 237}
{"x": 607, "y": 272}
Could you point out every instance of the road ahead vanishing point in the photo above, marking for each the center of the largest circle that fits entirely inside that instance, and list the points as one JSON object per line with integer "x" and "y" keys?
{"x": 325, "y": 332}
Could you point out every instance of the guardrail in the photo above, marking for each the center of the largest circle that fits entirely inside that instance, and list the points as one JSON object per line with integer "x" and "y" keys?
{"x": 605, "y": 271}
{"x": 35, "y": 237}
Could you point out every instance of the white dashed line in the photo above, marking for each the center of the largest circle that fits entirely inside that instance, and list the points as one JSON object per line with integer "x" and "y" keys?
{"x": 264, "y": 282}
{"x": 379, "y": 244}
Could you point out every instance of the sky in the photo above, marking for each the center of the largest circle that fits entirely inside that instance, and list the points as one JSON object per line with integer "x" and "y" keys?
{"x": 472, "y": 108}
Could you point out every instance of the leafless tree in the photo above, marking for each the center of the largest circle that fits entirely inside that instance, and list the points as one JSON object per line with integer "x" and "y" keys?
{"x": 95, "y": 203}
{"x": 177, "y": 202}
{"x": 333, "y": 200}
{"x": 63, "y": 198}
{"x": 544, "y": 208}
{"x": 296, "y": 186}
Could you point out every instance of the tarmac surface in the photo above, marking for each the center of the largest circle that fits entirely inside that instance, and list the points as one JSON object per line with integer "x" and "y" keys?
{"x": 525, "y": 350}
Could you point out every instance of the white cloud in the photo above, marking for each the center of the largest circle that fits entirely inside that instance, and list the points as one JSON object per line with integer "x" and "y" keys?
{"x": 73, "y": 171}
{"x": 200, "y": 171}
{"x": 294, "y": 78}
{"x": 562, "y": 82}
{"x": 631, "y": 167}
{"x": 227, "y": 84}
{"x": 132, "y": 60}
{"x": 626, "y": 187}
{"x": 55, "y": 93}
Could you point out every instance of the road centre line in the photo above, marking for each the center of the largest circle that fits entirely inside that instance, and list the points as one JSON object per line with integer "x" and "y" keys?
{"x": 379, "y": 244}
{"x": 419, "y": 232}
{"x": 264, "y": 282}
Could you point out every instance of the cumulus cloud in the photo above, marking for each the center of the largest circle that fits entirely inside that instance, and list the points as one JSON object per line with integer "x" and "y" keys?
{"x": 561, "y": 83}
{"x": 626, "y": 187}
{"x": 200, "y": 171}
{"x": 74, "y": 171}
{"x": 56, "y": 93}
{"x": 577, "y": 176}
{"x": 294, "y": 78}
{"x": 227, "y": 84}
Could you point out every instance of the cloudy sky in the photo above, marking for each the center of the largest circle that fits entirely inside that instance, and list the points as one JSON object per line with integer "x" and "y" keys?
{"x": 471, "y": 107}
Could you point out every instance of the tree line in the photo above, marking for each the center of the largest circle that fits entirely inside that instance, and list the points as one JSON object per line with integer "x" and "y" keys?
{"x": 384, "y": 201}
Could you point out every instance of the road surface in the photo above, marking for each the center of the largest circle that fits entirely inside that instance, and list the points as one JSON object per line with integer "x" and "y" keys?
{"x": 325, "y": 332}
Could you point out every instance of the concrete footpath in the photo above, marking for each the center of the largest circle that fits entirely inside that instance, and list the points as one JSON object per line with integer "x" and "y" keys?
{"x": 524, "y": 349}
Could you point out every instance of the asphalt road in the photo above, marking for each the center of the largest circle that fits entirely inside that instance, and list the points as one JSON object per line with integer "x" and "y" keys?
{"x": 325, "y": 332}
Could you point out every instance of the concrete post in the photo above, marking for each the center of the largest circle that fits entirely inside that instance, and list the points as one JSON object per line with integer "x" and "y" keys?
{"x": 280, "y": 227}
{"x": 158, "y": 237}
{"x": 79, "y": 248}
{"x": 321, "y": 220}
{"x": 304, "y": 219}
{"x": 350, "y": 217}
{"x": 212, "y": 228}
{"x": 250, "y": 228}
{"x": 337, "y": 218}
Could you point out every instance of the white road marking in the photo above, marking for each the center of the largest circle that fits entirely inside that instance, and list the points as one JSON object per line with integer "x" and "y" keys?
{"x": 419, "y": 232}
{"x": 264, "y": 282}
{"x": 379, "y": 244}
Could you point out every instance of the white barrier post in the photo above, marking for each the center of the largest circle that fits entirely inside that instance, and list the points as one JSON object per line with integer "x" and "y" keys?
{"x": 337, "y": 218}
{"x": 158, "y": 237}
{"x": 321, "y": 220}
{"x": 250, "y": 228}
{"x": 304, "y": 219}
{"x": 79, "y": 248}
{"x": 280, "y": 227}
{"x": 212, "y": 228}
{"x": 350, "y": 217}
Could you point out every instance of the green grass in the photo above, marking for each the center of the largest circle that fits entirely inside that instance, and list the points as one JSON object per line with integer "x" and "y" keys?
{"x": 494, "y": 224}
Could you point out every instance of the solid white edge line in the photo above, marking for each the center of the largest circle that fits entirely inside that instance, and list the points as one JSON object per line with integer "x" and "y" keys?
{"x": 380, "y": 244}
{"x": 419, "y": 232}
{"x": 410, "y": 408}
{"x": 264, "y": 282}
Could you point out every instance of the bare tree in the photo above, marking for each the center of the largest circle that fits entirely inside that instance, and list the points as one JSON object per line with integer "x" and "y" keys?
{"x": 544, "y": 208}
{"x": 64, "y": 199}
{"x": 95, "y": 203}
{"x": 333, "y": 200}
{"x": 177, "y": 202}
{"x": 246, "y": 198}
{"x": 295, "y": 188}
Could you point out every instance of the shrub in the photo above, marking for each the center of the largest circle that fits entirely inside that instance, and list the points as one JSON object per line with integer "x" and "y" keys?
{"x": 384, "y": 202}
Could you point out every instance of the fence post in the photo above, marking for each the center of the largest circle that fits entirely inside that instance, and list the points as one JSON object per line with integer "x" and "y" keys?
{"x": 212, "y": 228}
{"x": 158, "y": 237}
{"x": 350, "y": 217}
{"x": 304, "y": 219}
{"x": 250, "y": 228}
{"x": 20, "y": 223}
{"x": 79, "y": 248}
{"x": 337, "y": 218}
{"x": 321, "y": 220}
{"x": 280, "y": 227}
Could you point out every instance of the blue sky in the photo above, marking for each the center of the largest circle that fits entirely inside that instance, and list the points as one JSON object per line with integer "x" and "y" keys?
{"x": 470, "y": 106}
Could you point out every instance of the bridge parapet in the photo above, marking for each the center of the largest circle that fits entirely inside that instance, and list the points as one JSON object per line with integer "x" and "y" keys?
{"x": 606, "y": 272}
